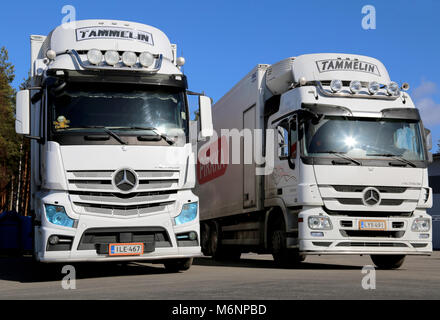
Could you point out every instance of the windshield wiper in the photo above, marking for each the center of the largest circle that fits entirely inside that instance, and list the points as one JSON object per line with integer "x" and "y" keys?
{"x": 153, "y": 129}
{"x": 109, "y": 132}
{"x": 393, "y": 156}
{"x": 341, "y": 155}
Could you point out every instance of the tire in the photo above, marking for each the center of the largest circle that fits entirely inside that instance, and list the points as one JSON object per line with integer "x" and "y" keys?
{"x": 204, "y": 239}
{"x": 176, "y": 265}
{"x": 283, "y": 256}
{"x": 388, "y": 262}
{"x": 214, "y": 242}
{"x": 217, "y": 250}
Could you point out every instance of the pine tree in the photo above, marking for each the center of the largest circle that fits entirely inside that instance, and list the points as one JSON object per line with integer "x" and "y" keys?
{"x": 9, "y": 141}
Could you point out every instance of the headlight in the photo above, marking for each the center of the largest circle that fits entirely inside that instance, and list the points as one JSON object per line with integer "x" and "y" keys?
{"x": 129, "y": 58}
{"x": 94, "y": 56}
{"x": 421, "y": 225}
{"x": 111, "y": 57}
{"x": 188, "y": 213}
{"x": 146, "y": 59}
{"x": 320, "y": 223}
{"x": 57, "y": 215}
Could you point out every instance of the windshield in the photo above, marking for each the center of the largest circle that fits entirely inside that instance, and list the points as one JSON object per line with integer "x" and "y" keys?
{"x": 364, "y": 138}
{"x": 120, "y": 107}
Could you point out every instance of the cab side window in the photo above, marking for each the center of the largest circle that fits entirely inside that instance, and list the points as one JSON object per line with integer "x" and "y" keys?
{"x": 282, "y": 131}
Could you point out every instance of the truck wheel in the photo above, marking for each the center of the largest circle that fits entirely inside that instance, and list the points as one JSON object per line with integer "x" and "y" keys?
{"x": 204, "y": 239}
{"x": 176, "y": 265}
{"x": 214, "y": 241}
{"x": 217, "y": 250}
{"x": 282, "y": 255}
{"x": 388, "y": 262}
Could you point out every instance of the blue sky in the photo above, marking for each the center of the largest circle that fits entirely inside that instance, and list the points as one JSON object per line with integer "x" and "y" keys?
{"x": 223, "y": 40}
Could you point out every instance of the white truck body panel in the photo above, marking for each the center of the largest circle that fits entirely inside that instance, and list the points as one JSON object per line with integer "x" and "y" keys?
{"x": 244, "y": 97}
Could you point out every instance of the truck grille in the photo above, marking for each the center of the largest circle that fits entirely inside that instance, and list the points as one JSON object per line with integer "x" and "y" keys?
{"x": 372, "y": 234}
{"x": 100, "y": 238}
{"x": 93, "y": 192}
{"x": 346, "y": 198}
{"x": 372, "y": 244}
{"x": 340, "y": 188}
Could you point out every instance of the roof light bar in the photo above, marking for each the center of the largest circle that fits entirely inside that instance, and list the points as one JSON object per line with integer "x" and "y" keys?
{"x": 113, "y": 59}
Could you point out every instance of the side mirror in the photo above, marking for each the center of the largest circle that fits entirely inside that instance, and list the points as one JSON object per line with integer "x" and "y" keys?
{"x": 430, "y": 157}
{"x": 22, "y": 117}
{"x": 193, "y": 131}
{"x": 206, "y": 127}
{"x": 428, "y": 139}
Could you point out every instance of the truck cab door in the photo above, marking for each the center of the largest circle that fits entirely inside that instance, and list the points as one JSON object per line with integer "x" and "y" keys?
{"x": 283, "y": 182}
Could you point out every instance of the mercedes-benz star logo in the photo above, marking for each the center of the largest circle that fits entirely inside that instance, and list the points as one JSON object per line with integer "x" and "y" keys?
{"x": 371, "y": 197}
{"x": 125, "y": 180}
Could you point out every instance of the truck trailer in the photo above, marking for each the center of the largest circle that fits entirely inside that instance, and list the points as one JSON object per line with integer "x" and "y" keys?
{"x": 111, "y": 153}
{"x": 345, "y": 164}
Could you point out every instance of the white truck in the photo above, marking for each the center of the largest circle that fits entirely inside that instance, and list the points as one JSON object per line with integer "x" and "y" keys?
{"x": 111, "y": 150}
{"x": 345, "y": 168}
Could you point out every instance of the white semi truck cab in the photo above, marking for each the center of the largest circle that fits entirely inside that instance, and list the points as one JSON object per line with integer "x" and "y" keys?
{"x": 108, "y": 116}
{"x": 349, "y": 173}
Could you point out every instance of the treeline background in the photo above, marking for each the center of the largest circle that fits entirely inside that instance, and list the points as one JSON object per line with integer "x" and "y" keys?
{"x": 14, "y": 149}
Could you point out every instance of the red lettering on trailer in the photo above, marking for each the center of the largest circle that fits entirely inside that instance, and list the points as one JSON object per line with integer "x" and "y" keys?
{"x": 215, "y": 160}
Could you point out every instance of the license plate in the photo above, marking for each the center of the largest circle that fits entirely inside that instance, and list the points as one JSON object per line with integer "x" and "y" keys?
{"x": 125, "y": 249}
{"x": 372, "y": 225}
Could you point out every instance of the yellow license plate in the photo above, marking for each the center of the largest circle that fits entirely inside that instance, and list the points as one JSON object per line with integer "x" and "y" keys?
{"x": 125, "y": 249}
{"x": 372, "y": 225}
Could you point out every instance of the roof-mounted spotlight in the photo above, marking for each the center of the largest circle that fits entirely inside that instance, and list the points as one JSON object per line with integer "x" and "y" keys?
{"x": 129, "y": 58}
{"x": 373, "y": 87}
{"x": 393, "y": 89}
{"x": 111, "y": 57}
{"x": 355, "y": 86}
{"x": 146, "y": 59}
{"x": 94, "y": 56}
{"x": 336, "y": 85}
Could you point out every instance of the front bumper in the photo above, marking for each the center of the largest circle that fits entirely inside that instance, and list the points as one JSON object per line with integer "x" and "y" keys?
{"x": 397, "y": 238}
{"x": 89, "y": 222}
{"x": 169, "y": 248}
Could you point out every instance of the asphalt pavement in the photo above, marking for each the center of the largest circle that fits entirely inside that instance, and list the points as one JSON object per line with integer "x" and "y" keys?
{"x": 253, "y": 277}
